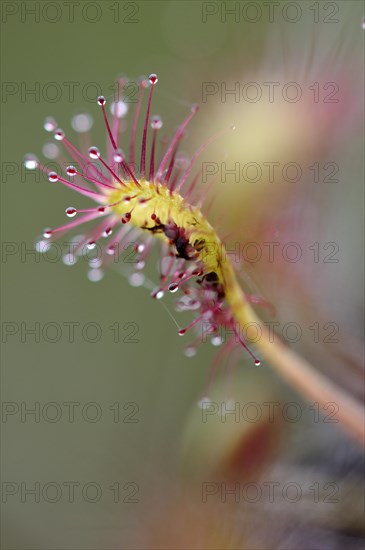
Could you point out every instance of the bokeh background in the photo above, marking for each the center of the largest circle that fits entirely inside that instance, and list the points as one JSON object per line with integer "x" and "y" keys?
{"x": 139, "y": 467}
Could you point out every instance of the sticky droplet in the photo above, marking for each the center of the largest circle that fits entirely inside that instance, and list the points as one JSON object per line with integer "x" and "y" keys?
{"x": 71, "y": 212}
{"x": 156, "y": 122}
{"x": 82, "y": 122}
{"x": 30, "y": 162}
{"x": 71, "y": 171}
{"x": 118, "y": 155}
{"x": 119, "y": 109}
{"x": 158, "y": 294}
{"x": 53, "y": 177}
{"x": 95, "y": 275}
{"x": 190, "y": 351}
{"x": 94, "y": 153}
{"x": 42, "y": 246}
{"x": 49, "y": 124}
{"x": 69, "y": 259}
{"x": 50, "y": 151}
{"x": 108, "y": 231}
{"x": 216, "y": 340}
{"x": 59, "y": 135}
{"x": 203, "y": 402}
{"x": 136, "y": 279}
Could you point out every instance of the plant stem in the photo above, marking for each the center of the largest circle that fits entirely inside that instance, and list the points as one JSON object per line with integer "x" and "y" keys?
{"x": 300, "y": 374}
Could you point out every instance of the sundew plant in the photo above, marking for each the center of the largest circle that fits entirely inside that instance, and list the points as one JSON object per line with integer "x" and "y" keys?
{"x": 148, "y": 194}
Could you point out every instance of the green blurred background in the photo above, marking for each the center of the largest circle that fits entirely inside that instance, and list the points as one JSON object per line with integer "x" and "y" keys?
{"x": 171, "y": 39}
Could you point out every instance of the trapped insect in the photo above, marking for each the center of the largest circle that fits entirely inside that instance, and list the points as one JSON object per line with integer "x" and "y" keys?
{"x": 145, "y": 202}
{"x": 160, "y": 200}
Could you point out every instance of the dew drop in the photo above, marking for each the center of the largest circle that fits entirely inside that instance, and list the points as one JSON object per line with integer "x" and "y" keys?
{"x": 153, "y": 78}
{"x": 59, "y": 135}
{"x": 173, "y": 287}
{"x": 71, "y": 171}
{"x": 136, "y": 279}
{"x": 156, "y": 122}
{"x": 71, "y": 212}
{"x": 95, "y": 275}
{"x": 53, "y": 177}
{"x": 30, "y": 162}
{"x": 101, "y": 100}
{"x": 94, "y": 153}
{"x": 82, "y": 122}
{"x": 119, "y": 109}
{"x": 49, "y": 124}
